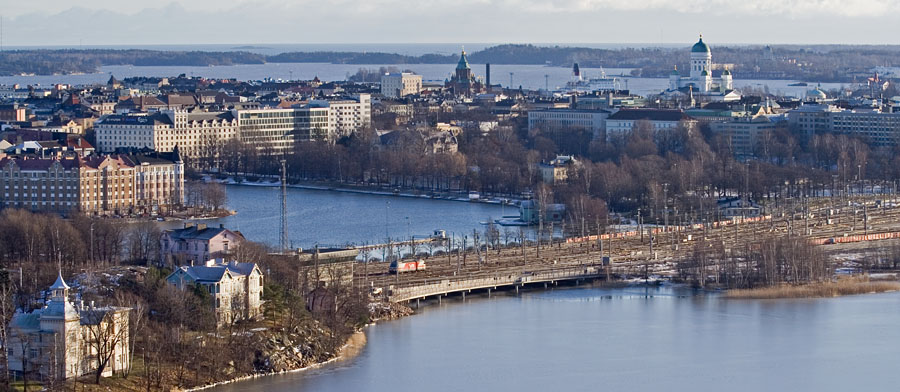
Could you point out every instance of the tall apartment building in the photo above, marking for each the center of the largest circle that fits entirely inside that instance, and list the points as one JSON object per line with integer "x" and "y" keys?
{"x": 12, "y": 112}
{"x": 399, "y": 85}
{"x": 346, "y": 116}
{"x": 158, "y": 181}
{"x": 276, "y": 130}
{"x": 743, "y": 134}
{"x": 193, "y": 132}
{"x": 878, "y": 128}
{"x": 660, "y": 120}
{"x": 98, "y": 185}
{"x": 568, "y": 119}
{"x": 106, "y": 184}
{"x": 41, "y": 184}
{"x": 198, "y": 134}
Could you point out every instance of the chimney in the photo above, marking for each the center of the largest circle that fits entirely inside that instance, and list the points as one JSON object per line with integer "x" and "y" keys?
{"x": 573, "y": 101}
{"x": 188, "y": 225}
{"x": 221, "y": 225}
{"x": 201, "y": 226}
{"x": 487, "y": 75}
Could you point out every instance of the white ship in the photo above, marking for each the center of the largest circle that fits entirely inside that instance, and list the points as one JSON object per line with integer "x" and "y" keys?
{"x": 581, "y": 84}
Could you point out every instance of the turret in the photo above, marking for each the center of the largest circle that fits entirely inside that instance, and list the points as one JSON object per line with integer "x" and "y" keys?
{"x": 727, "y": 83}
{"x": 674, "y": 79}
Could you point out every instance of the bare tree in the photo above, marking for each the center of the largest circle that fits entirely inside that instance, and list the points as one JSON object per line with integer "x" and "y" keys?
{"x": 107, "y": 335}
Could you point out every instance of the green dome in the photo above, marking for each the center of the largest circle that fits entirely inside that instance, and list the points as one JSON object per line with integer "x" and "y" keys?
{"x": 704, "y": 73}
{"x": 700, "y": 47}
{"x": 726, "y": 72}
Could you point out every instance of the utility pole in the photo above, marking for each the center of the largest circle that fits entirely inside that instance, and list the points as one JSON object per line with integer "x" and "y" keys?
{"x": 640, "y": 222}
{"x": 666, "y": 206}
{"x": 284, "y": 234}
{"x": 92, "y": 241}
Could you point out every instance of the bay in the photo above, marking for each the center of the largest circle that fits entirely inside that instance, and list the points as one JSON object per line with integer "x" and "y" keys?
{"x": 527, "y": 76}
{"x": 633, "y": 339}
{"x": 330, "y": 218}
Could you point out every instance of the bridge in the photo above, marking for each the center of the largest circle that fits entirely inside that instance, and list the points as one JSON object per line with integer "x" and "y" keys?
{"x": 837, "y": 227}
{"x": 509, "y": 280}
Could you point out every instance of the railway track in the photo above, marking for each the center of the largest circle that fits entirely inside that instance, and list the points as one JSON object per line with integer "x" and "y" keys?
{"x": 821, "y": 219}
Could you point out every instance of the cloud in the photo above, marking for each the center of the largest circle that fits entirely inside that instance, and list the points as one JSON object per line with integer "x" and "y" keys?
{"x": 794, "y": 8}
{"x": 98, "y": 22}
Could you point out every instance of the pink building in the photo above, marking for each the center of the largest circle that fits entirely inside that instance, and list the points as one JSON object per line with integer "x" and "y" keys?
{"x": 197, "y": 243}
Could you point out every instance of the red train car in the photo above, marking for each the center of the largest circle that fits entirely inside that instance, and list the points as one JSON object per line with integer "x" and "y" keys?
{"x": 398, "y": 266}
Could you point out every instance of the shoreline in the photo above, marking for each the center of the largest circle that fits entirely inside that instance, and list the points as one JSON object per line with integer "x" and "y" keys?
{"x": 351, "y": 348}
{"x": 404, "y": 193}
{"x": 831, "y": 289}
{"x": 356, "y": 342}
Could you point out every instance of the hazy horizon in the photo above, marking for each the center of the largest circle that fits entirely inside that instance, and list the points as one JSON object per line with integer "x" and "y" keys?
{"x": 266, "y": 22}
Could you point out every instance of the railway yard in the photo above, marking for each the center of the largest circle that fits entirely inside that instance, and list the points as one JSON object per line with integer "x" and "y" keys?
{"x": 844, "y": 228}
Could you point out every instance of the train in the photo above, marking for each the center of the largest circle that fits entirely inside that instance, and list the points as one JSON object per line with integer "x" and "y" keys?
{"x": 398, "y": 266}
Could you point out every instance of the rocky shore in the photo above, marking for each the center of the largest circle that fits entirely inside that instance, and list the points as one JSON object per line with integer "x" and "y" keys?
{"x": 306, "y": 347}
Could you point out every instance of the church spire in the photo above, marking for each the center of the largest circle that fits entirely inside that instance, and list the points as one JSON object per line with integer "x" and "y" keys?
{"x": 463, "y": 61}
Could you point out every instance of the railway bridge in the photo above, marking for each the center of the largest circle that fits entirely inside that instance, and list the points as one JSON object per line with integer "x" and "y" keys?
{"x": 507, "y": 280}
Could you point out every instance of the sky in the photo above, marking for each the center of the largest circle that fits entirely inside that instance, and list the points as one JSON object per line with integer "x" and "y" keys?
{"x": 165, "y": 22}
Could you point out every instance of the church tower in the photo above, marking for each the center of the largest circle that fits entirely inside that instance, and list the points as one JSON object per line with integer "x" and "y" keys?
{"x": 463, "y": 71}
{"x": 701, "y": 60}
{"x": 463, "y": 81}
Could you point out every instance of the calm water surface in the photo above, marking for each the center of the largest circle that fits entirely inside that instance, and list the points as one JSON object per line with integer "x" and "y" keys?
{"x": 636, "y": 339}
{"x": 332, "y": 218}
{"x": 527, "y": 76}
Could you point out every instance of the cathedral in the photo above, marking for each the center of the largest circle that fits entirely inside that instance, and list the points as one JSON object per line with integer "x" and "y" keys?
{"x": 701, "y": 82}
{"x": 463, "y": 82}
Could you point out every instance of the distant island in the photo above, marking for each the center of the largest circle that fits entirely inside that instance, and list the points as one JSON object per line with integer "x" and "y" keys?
{"x": 250, "y": 47}
{"x": 824, "y": 63}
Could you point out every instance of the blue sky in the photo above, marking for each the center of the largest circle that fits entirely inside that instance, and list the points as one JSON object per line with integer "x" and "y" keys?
{"x": 124, "y": 22}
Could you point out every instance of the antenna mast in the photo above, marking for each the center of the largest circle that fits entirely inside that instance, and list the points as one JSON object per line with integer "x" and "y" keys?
{"x": 284, "y": 235}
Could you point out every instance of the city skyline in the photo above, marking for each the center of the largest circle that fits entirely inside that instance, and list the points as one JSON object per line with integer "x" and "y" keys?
{"x": 485, "y": 21}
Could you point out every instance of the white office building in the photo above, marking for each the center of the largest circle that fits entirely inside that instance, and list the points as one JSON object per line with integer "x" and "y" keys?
{"x": 193, "y": 132}
{"x": 346, "y": 116}
{"x": 399, "y": 85}
{"x": 555, "y": 120}
{"x": 876, "y": 127}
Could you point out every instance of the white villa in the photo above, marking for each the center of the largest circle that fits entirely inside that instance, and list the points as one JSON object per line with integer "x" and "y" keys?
{"x": 236, "y": 288}
{"x": 63, "y": 340}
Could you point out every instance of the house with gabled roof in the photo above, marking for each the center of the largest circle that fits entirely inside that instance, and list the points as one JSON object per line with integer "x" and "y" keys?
{"x": 197, "y": 242}
{"x": 235, "y": 288}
